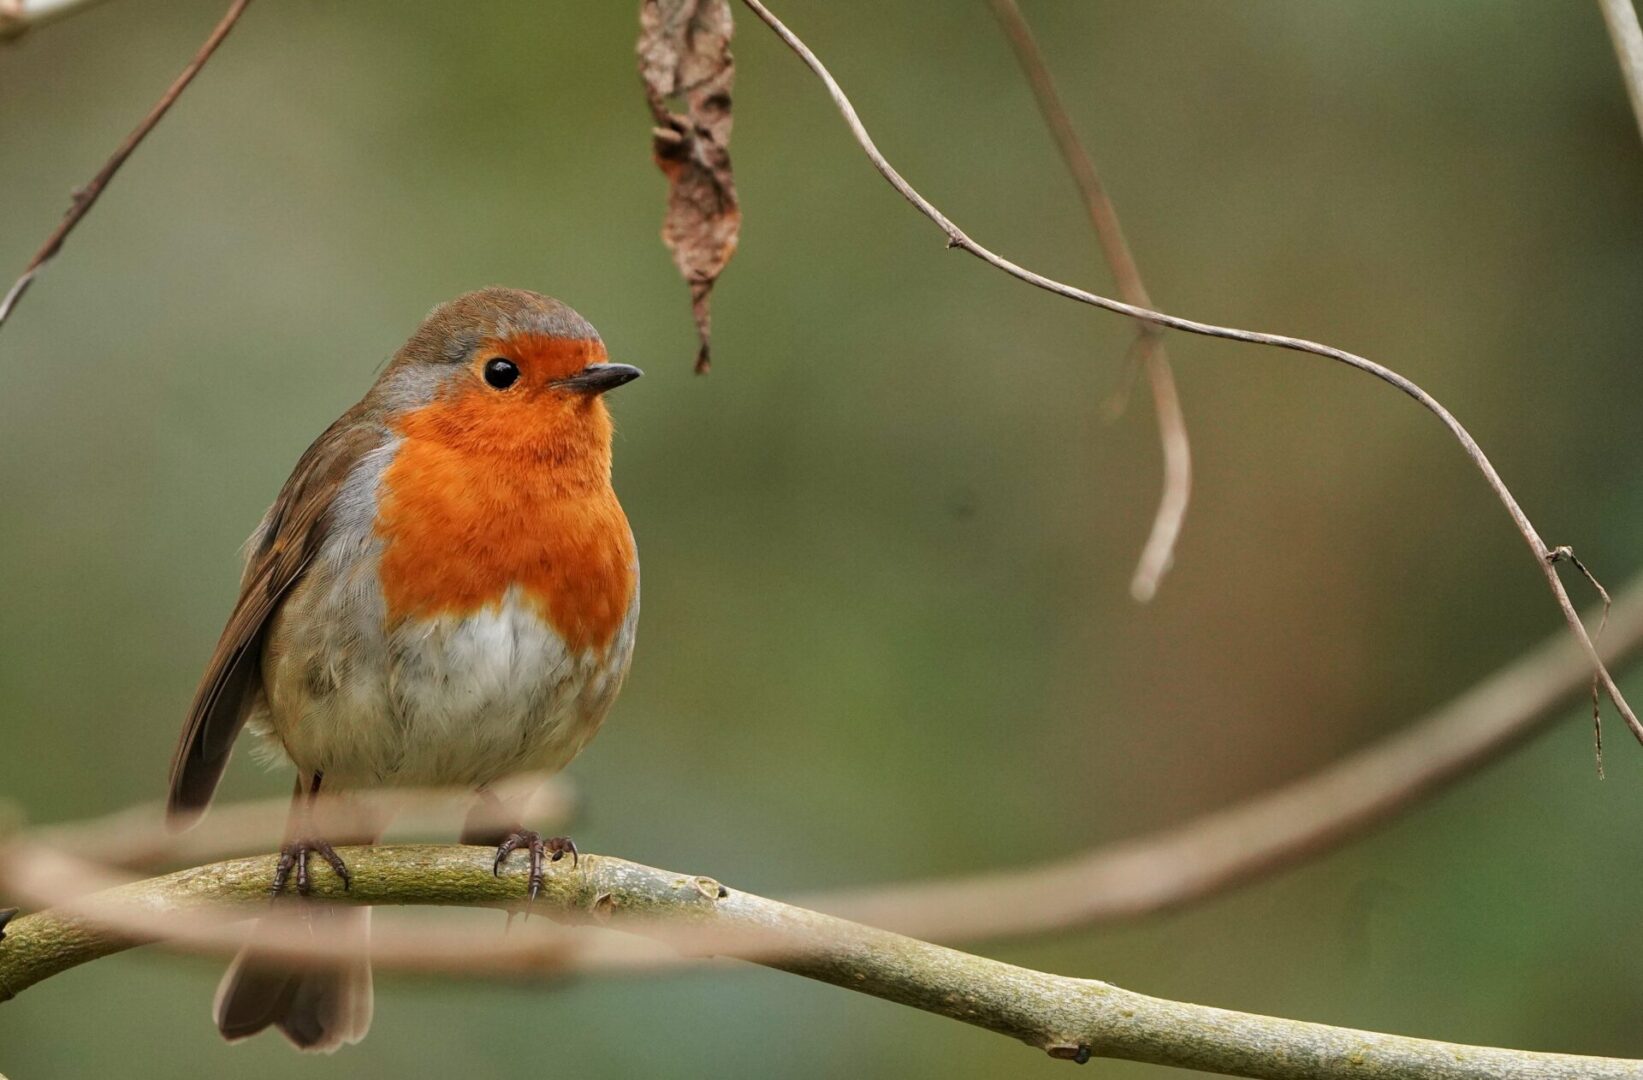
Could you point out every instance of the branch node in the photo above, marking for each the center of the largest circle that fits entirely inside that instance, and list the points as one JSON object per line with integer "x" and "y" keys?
{"x": 1077, "y": 1053}
{"x": 1565, "y": 553}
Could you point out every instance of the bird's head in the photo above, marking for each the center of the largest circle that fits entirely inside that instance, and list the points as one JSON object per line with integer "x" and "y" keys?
{"x": 505, "y": 371}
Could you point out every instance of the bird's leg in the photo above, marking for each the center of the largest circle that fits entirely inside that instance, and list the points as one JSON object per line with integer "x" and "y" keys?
{"x": 295, "y": 852}
{"x": 481, "y": 828}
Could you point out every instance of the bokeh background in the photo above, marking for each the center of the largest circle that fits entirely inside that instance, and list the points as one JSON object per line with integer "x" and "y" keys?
{"x": 887, "y": 631}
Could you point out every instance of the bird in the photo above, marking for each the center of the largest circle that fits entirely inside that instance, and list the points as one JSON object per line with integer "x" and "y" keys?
{"x": 444, "y": 593}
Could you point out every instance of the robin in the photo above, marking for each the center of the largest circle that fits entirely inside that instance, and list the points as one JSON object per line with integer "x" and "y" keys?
{"x": 444, "y": 593}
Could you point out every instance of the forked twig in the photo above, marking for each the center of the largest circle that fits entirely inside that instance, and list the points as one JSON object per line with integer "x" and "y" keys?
{"x": 1147, "y": 351}
{"x": 86, "y": 197}
{"x": 957, "y": 238}
{"x": 1565, "y": 553}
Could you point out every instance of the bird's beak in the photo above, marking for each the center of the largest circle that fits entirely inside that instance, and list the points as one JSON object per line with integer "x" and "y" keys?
{"x": 597, "y": 378}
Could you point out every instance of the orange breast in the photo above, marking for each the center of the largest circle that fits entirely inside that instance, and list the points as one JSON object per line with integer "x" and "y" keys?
{"x": 479, "y": 497}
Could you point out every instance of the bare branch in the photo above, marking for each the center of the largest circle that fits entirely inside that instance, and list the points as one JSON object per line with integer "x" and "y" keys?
{"x": 87, "y": 196}
{"x": 1159, "y": 551}
{"x": 956, "y": 238}
{"x": 1621, "y": 18}
{"x": 1067, "y": 1018}
{"x": 1178, "y": 866}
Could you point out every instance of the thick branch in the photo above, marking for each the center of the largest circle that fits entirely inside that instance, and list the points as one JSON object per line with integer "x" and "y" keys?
{"x": 1545, "y": 557}
{"x": 1066, "y": 1017}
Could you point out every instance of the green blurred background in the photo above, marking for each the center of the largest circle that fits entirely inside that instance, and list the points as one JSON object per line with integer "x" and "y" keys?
{"x": 887, "y": 630}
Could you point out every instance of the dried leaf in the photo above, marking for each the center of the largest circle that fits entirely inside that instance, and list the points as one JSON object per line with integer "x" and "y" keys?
{"x": 684, "y": 56}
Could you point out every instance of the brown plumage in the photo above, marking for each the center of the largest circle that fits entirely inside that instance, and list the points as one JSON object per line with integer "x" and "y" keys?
{"x": 444, "y": 592}
{"x": 284, "y": 544}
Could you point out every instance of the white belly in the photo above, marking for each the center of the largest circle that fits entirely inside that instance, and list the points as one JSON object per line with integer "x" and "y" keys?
{"x": 447, "y": 701}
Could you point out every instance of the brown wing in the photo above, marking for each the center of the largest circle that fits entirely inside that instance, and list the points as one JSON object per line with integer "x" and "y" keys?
{"x": 280, "y": 551}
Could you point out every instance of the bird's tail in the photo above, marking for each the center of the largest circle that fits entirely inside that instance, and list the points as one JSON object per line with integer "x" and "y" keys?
{"x": 317, "y": 1008}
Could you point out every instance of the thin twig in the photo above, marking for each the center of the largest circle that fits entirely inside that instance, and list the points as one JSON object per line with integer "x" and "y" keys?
{"x": 1621, "y": 18}
{"x": 87, "y": 196}
{"x": 1159, "y": 551}
{"x": 956, "y": 238}
{"x": 1072, "y": 1019}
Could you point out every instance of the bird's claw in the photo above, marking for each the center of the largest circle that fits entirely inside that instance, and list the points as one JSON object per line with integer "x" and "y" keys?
{"x": 294, "y": 856}
{"x": 552, "y": 849}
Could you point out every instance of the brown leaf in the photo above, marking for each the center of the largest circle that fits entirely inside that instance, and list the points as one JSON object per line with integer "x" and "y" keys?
{"x": 684, "y": 55}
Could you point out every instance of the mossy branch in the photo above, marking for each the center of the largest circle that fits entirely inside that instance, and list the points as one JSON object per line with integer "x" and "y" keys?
{"x": 1065, "y": 1017}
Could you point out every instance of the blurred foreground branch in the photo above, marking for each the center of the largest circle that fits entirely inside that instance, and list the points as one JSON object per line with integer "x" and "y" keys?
{"x": 1168, "y": 869}
{"x": 1546, "y": 558}
{"x": 1249, "y": 840}
{"x": 17, "y": 16}
{"x": 1066, "y": 1017}
{"x": 1627, "y": 35}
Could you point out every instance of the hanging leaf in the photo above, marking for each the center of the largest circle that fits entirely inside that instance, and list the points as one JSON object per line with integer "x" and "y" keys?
{"x": 684, "y": 60}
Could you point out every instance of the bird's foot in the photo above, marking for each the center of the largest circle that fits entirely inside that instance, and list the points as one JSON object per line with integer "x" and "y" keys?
{"x": 553, "y": 849}
{"x": 294, "y": 856}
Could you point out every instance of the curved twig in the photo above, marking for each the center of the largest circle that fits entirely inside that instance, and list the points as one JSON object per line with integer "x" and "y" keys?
{"x": 1159, "y": 551}
{"x": 87, "y": 196}
{"x": 1067, "y": 1018}
{"x": 957, "y": 238}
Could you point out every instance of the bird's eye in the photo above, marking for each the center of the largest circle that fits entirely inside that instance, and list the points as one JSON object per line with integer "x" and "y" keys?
{"x": 501, "y": 373}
